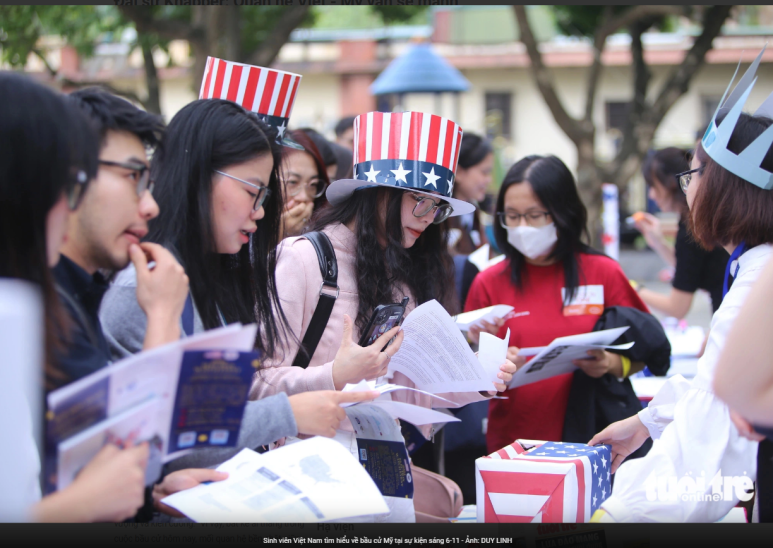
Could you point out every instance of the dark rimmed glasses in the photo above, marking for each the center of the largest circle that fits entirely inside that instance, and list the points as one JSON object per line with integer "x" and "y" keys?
{"x": 425, "y": 204}
{"x": 76, "y": 188}
{"x": 143, "y": 174}
{"x": 533, "y": 218}
{"x": 262, "y": 192}
{"x": 685, "y": 177}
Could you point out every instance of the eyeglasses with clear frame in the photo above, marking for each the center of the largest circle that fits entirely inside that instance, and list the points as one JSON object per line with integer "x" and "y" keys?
{"x": 685, "y": 177}
{"x": 143, "y": 174}
{"x": 314, "y": 189}
{"x": 425, "y": 204}
{"x": 262, "y": 192}
{"x": 533, "y": 218}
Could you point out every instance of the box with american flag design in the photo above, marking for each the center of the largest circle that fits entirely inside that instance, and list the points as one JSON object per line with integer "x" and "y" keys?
{"x": 542, "y": 482}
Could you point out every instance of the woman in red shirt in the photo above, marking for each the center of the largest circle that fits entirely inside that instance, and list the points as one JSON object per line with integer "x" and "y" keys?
{"x": 558, "y": 286}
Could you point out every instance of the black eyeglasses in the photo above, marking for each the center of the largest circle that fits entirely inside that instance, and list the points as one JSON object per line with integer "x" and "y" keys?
{"x": 76, "y": 188}
{"x": 424, "y": 205}
{"x": 262, "y": 193}
{"x": 533, "y": 218}
{"x": 685, "y": 177}
{"x": 143, "y": 174}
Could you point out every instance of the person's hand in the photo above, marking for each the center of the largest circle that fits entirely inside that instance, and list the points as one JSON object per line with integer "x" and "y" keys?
{"x": 649, "y": 226}
{"x": 493, "y": 328}
{"x": 180, "y": 481}
{"x": 624, "y": 436}
{"x": 295, "y": 216}
{"x": 161, "y": 292}
{"x": 111, "y": 487}
{"x": 354, "y": 363}
{"x": 506, "y": 371}
{"x": 599, "y": 363}
{"x": 745, "y": 429}
{"x": 319, "y": 413}
{"x": 512, "y": 355}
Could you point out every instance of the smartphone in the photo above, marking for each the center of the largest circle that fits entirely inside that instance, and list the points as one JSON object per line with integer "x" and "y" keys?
{"x": 384, "y": 318}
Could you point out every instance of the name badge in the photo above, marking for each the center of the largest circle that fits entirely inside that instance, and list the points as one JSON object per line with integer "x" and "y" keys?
{"x": 587, "y": 301}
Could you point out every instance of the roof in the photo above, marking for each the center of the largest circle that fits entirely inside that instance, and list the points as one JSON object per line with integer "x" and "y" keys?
{"x": 419, "y": 69}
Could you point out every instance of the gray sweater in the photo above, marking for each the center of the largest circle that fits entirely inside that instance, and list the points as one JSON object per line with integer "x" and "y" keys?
{"x": 124, "y": 324}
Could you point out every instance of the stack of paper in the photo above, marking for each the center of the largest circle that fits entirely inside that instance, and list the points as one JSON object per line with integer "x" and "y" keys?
{"x": 310, "y": 481}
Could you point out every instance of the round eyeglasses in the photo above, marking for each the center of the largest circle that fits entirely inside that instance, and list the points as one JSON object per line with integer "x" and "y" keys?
{"x": 425, "y": 204}
{"x": 261, "y": 193}
{"x": 313, "y": 189}
{"x": 533, "y": 218}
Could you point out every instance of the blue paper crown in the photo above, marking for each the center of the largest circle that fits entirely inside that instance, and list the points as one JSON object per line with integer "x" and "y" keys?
{"x": 747, "y": 164}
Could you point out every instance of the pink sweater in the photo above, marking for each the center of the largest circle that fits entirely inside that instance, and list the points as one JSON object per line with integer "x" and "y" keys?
{"x": 298, "y": 281}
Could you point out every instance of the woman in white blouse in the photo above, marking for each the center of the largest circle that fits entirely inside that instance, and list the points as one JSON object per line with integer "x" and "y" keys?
{"x": 695, "y": 436}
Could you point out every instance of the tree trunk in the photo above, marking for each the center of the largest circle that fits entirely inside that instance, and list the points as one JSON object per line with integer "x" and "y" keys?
{"x": 153, "y": 102}
{"x": 589, "y": 180}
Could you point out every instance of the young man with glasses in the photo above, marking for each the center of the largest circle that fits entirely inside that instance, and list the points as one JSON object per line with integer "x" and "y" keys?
{"x": 104, "y": 233}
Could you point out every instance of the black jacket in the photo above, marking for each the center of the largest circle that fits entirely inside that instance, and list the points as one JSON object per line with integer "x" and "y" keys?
{"x": 594, "y": 404}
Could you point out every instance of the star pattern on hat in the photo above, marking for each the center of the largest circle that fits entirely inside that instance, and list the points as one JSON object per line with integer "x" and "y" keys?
{"x": 372, "y": 174}
{"x": 400, "y": 173}
{"x": 431, "y": 178}
{"x": 450, "y": 191}
{"x": 281, "y": 129}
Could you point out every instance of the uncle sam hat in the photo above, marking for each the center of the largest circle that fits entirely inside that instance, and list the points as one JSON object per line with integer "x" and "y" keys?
{"x": 407, "y": 150}
{"x": 267, "y": 92}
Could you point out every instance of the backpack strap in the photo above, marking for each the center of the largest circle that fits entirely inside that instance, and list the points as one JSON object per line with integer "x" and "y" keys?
{"x": 328, "y": 267}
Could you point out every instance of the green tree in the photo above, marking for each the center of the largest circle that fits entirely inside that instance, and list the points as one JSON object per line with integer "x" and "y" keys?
{"x": 645, "y": 115}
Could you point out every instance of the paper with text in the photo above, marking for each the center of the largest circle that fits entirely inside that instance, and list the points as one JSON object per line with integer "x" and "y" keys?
{"x": 310, "y": 481}
{"x": 435, "y": 355}
{"x": 466, "y": 320}
{"x": 557, "y": 357}
{"x": 492, "y": 353}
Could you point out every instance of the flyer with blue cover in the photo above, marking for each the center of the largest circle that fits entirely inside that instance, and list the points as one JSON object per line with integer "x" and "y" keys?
{"x": 179, "y": 397}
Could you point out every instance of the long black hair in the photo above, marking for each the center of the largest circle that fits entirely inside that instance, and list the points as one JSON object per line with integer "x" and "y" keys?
{"x": 661, "y": 166}
{"x": 554, "y": 185}
{"x": 209, "y": 135}
{"x": 425, "y": 269}
{"x": 44, "y": 142}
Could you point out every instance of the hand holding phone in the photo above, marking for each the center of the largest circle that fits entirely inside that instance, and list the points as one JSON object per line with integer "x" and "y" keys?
{"x": 384, "y": 318}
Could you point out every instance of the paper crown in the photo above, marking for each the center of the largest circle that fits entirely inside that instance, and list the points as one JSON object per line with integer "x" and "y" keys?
{"x": 408, "y": 150}
{"x": 267, "y": 92}
{"x": 747, "y": 164}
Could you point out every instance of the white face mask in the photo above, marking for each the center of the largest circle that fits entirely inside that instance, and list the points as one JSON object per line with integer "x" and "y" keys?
{"x": 532, "y": 242}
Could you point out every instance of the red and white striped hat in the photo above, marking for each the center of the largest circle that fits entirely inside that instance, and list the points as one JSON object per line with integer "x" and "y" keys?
{"x": 269, "y": 93}
{"x": 407, "y": 150}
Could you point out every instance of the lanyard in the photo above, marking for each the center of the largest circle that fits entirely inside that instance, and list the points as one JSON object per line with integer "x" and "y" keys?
{"x": 740, "y": 250}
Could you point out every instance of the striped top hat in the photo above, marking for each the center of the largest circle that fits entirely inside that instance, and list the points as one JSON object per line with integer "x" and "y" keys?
{"x": 408, "y": 150}
{"x": 267, "y": 92}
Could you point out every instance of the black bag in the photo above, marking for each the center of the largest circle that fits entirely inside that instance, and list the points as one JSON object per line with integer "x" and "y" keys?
{"x": 328, "y": 267}
{"x": 594, "y": 404}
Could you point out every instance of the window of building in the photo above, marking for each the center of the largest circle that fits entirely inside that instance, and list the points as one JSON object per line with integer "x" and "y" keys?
{"x": 499, "y": 110}
{"x": 617, "y": 114}
{"x": 709, "y": 104}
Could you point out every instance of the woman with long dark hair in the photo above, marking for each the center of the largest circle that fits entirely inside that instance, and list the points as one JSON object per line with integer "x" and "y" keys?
{"x": 304, "y": 180}
{"x": 696, "y": 268}
{"x": 558, "y": 286}
{"x": 217, "y": 187}
{"x": 48, "y": 154}
{"x": 386, "y": 228}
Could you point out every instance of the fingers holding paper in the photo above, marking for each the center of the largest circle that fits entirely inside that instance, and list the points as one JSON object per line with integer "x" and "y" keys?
{"x": 506, "y": 371}
{"x": 512, "y": 355}
{"x": 485, "y": 327}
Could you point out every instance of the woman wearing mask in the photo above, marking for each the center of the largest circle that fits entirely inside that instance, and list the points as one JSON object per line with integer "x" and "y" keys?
{"x": 731, "y": 204}
{"x": 387, "y": 233}
{"x": 35, "y": 199}
{"x": 548, "y": 272}
{"x": 304, "y": 180}
{"x": 696, "y": 267}
{"x": 217, "y": 187}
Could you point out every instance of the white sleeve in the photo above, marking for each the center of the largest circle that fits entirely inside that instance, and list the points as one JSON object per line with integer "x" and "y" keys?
{"x": 660, "y": 412}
